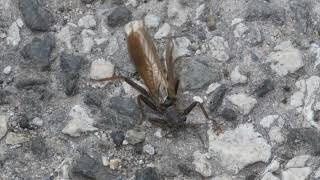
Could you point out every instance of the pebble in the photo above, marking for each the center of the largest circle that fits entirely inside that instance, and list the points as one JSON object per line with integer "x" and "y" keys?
{"x": 35, "y": 16}
{"x": 125, "y": 106}
{"x": 202, "y": 164}
{"x": 216, "y": 98}
{"x": 219, "y": 47}
{"x": 80, "y": 122}
{"x": 87, "y": 41}
{"x": 181, "y": 47}
{"x": 87, "y": 22}
{"x": 66, "y": 34}
{"x": 243, "y": 102}
{"x": 38, "y": 51}
{"x": 115, "y": 164}
{"x": 101, "y": 69}
{"x": 240, "y": 30}
{"x": 285, "y": 59}
{"x": 264, "y": 88}
{"x": 229, "y": 114}
{"x": 275, "y": 135}
{"x": 149, "y": 149}
{"x": 105, "y": 161}
{"x": 211, "y": 23}
{"x": 15, "y": 139}
{"x": 177, "y": 13}
{"x": 119, "y": 17}
{"x": 7, "y": 70}
{"x": 149, "y": 173}
{"x": 268, "y": 120}
{"x": 158, "y": 133}
{"x": 152, "y": 21}
{"x": 298, "y": 161}
{"x": 296, "y": 173}
{"x": 237, "y": 77}
{"x": 85, "y": 166}
{"x": 38, "y": 146}
{"x": 236, "y": 152}
{"x": 212, "y": 87}
{"x": 117, "y": 137}
{"x": 135, "y": 136}
{"x": 3, "y": 125}
{"x": 13, "y": 36}
{"x": 163, "y": 31}
{"x": 36, "y": 122}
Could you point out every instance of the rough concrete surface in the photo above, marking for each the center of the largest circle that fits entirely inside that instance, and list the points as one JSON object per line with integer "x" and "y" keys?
{"x": 253, "y": 63}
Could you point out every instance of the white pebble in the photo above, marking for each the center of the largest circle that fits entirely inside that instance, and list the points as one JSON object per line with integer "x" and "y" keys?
{"x": 7, "y": 70}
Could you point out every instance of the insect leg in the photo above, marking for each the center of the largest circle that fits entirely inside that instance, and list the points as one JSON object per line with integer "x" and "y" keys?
{"x": 177, "y": 86}
{"x": 142, "y": 99}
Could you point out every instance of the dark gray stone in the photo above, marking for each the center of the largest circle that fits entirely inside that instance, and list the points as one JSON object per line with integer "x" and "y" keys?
{"x": 116, "y": 120}
{"x": 38, "y": 51}
{"x": 87, "y": 1}
{"x": 229, "y": 114}
{"x": 70, "y": 65}
{"x": 302, "y": 15}
{"x": 117, "y": 137}
{"x": 119, "y": 17}
{"x": 260, "y": 10}
{"x": 4, "y": 97}
{"x": 216, "y": 98}
{"x": 38, "y": 146}
{"x": 266, "y": 86}
{"x": 304, "y": 138}
{"x": 107, "y": 174}
{"x": 35, "y": 16}
{"x": 30, "y": 83}
{"x": 195, "y": 75}
{"x": 148, "y": 173}
{"x": 93, "y": 98}
{"x": 125, "y": 106}
{"x": 85, "y": 166}
{"x": 24, "y": 121}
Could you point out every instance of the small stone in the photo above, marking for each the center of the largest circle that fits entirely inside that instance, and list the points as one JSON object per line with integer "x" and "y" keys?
{"x": 87, "y": 22}
{"x": 269, "y": 176}
{"x": 298, "y": 161}
{"x": 38, "y": 51}
{"x": 80, "y": 122}
{"x": 216, "y": 98}
{"x": 276, "y": 136}
{"x": 85, "y": 166}
{"x": 197, "y": 99}
{"x": 243, "y": 102}
{"x": 151, "y": 21}
{"x": 240, "y": 30}
{"x": 65, "y": 35}
{"x": 13, "y": 36}
{"x": 163, "y": 31}
{"x": 309, "y": 137}
{"x": 105, "y": 161}
{"x": 211, "y": 23}
{"x": 135, "y": 136}
{"x": 201, "y": 163}
{"x": 158, "y": 133}
{"x": 87, "y": 41}
{"x": 35, "y": 16}
{"x": 296, "y": 173}
{"x": 133, "y": 3}
{"x": 177, "y": 13}
{"x": 212, "y": 87}
{"x": 149, "y": 149}
{"x": 268, "y": 120}
{"x": 181, "y": 47}
{"x": 119, "y": 17}
{"x": 235, "y": 153}
{"x": 93, "y": 98}
{"x": 115, "y": 164}
{"x": 3, "y": 125}
{"x": 14, "y": 139}
{"x": 237, "y": 77}
{"x": 36, "y": 122}
{"x": 29, "y": 83}
{"x": 219, "y": 47}
{"x": 286, "y": 59}
{"x": 264, "y": 88}
{"x": 229, "y": 114}
{"x": 101, "y": 69}
{"x": 148, "y": 173}
{"x": 117, "y": 137}
{"x": 7, "y": 70}
{"x": 125, "y": 106}
{"x": 38, "y": 146}
{"x": 273, "y": 166}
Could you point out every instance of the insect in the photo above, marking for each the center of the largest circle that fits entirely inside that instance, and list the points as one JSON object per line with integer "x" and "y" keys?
{"x": 159, "y": 77}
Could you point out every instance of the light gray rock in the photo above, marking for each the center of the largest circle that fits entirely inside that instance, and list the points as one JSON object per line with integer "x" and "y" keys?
{"x": 202, "y": 163}
{"x": 296, "y": 173}
{"x": 275, "y": 135}
{"x": 273, "y": 166}
{"x": 269, "y": 176}
{"x": 87, "y": 22}
{"x": 285, "y": 59}
{"x": 181, "y": 47}
{"x": 235, "y": 149}
{"x": 80, "y": 122}
{"x": 3, "y": 125}
{"x": 237, "y": 77}
{"x": 15, "y": 139}
{"x": 268, "y": 120}
{"x": 240, "y": 30}
{"x": 87, "y": 41}
{"x": 148, "y": 148}
{"x": 135, "y": 136}
{"x": 13, "y": 35}
{"x": 243, "y": 102}
{"x": 298, "y": 161}
{"x": 177, "y": 13}
{"x": 218, "y": 48}
{"x": 223, "y": 177}
{"x": 163, "y": 31}
{"x": 65, "y": 35}
{"x": 112, "y": 47}
{"x": 151, "y": 20}
{"x": 7, "y": 70}
{"x": 101, "y": 69}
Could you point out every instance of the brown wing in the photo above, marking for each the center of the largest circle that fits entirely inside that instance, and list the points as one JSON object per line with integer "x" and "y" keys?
{"x": 170, "y": 70}
{"x": 146, "y": 60}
